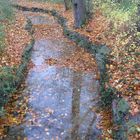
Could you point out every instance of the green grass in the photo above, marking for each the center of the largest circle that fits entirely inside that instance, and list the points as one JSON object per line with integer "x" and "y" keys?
{"x": 2, "y": 35}
{"x": 6, "y": 11}
{"x": 6, "y": 14}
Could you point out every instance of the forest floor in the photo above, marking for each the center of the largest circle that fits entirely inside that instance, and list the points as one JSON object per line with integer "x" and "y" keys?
{"x": 64, "y": 65}
{"x": 124, "y": 59}
{"x": 61, "y": 78}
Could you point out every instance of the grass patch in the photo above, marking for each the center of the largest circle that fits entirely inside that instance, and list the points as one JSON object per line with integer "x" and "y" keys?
{"x": 6, "y": 15}
{"x": 6, "y": 10}
{"x": 2, "y": 36}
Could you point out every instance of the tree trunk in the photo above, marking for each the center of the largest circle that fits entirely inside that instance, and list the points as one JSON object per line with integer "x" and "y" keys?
{"x": 138, "y": 22}
{"x": 79, "y": 12}
{"x": 67, "y": 4}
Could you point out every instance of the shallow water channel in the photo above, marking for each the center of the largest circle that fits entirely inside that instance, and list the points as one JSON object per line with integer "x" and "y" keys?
{"x": 61, "y": 93}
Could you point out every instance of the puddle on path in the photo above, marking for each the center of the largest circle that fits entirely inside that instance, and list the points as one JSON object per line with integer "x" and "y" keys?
{"x": 60, "y": 98}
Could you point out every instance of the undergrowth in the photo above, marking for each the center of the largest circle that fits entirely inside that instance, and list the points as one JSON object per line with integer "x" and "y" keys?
{"x": 118, "y": 12}
{"x": 7, "y": 82}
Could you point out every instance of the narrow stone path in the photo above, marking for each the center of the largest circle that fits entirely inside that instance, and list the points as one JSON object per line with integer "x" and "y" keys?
{"x": 61, "y": 89}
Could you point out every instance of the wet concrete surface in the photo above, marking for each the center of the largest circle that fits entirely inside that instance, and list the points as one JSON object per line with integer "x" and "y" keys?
{"x": 60, "y": 98}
